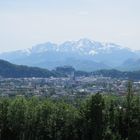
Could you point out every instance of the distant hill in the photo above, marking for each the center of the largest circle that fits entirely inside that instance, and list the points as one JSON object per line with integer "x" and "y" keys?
{"x": 130, "y": 65}
{"x": 9, "y": 70}
{"x": 128, "y": 75}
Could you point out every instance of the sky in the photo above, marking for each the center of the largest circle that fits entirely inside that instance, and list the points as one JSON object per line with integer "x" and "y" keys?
{"x": 25, "y": 23}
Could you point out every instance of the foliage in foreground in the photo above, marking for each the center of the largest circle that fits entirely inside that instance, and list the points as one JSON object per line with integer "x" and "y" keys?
{"x": 97, "y": 118}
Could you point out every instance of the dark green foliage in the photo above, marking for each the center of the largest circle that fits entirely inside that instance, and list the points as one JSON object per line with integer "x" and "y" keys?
{"x": 131, "y": 75}
{"x": 8, "y": 70}
{"x": 97, "y": 118}
{"x": 92, "y": 117}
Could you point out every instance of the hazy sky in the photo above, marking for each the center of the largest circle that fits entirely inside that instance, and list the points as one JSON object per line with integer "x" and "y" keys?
{"x": 24, "y": 23}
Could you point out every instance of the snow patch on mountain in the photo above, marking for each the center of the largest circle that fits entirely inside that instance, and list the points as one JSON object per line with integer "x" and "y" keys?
{"x": 82, "y": 46}
{"x": 92, "y": 52}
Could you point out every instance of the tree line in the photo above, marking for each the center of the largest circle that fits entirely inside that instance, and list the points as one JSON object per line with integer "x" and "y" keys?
{"x": 100, "y": 117}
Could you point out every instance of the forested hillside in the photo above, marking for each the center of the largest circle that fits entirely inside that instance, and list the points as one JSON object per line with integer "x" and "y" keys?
{"x": 97, "y": 118}
{"x": 131, "y": 75}
{"x": 9, "y": 70}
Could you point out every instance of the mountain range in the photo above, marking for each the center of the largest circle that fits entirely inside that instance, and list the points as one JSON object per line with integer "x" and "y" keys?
{"x": 9, "y": 70}
{"x": 84, "y": 54}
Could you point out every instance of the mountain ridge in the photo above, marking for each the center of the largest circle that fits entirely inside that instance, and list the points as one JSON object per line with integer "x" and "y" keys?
{"x": 83, "y": 54}
{"x": 9, "y": 70}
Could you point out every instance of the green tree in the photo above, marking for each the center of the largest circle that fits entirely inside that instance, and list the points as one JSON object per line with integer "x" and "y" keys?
{"x": 16, "y": 118}
{"x": 93, "y": 118}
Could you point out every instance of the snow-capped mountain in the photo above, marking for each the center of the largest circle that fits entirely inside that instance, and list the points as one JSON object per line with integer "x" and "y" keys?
{"x": 83, "y": 54}
{"x": 82, "y": 46}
